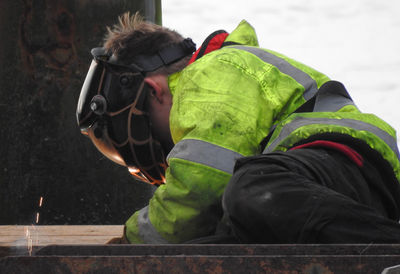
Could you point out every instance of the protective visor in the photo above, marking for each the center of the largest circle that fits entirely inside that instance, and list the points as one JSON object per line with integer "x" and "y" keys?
{"x": 111, "y": 112}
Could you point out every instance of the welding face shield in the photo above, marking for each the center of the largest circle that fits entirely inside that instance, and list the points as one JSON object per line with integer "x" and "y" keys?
{"x": 112, "y": 110}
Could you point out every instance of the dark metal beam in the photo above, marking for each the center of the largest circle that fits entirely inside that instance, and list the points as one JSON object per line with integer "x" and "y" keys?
{"x": 206, "y": 259}
{"x": 44, "y": 57}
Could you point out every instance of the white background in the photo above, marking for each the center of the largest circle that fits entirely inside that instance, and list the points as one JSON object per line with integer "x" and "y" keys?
{"x": 356, "y": 42}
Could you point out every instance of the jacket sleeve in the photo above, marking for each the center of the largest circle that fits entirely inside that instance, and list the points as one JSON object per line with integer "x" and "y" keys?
{"x": 186, "y": 207}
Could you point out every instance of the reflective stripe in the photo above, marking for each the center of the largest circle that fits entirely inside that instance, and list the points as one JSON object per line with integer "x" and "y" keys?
{"x": 205, "y": 153}
{"x": 309, "y": 84}
{"x": 355, "y": 124}
{"x": 147, "y": 231}
{"x": 331, "y": 101}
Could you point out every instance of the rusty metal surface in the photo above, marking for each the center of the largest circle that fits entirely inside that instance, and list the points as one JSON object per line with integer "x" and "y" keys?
{"x": 220, "y": 250}
{"x": 198, "y": 264}
{"x": 206, "y": 259}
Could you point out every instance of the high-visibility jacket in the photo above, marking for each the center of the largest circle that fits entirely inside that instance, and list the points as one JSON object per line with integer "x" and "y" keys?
{"x": 224, "y": 105}
{"x": 335, "y": 117}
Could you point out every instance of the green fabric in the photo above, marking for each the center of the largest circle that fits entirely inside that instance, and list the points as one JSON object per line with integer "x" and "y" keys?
{"x": 229, "y": 98}
{"x": 188, "y": 206}
{"x": 132, "y": 229}
{"x": 243, "y": 34}
{"x": 348, "y": 112}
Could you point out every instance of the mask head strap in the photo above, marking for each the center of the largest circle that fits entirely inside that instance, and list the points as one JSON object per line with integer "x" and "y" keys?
{"x": 165, "y": 56}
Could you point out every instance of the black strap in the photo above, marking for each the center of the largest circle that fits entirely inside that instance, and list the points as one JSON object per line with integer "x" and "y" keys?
{"x": 229, "y": 43}
{"x": 307, "y": 106}
{"x": 165, "y": 56}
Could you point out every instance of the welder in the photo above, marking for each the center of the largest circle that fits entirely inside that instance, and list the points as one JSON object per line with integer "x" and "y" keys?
{"x": 246, "y": 145}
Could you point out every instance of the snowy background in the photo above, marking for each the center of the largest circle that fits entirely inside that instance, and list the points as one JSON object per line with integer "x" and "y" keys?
{"x": 356, "y": 42}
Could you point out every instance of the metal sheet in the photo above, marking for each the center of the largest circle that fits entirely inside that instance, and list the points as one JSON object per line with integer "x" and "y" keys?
{"x": 206, "y": 259}
{"x": 198, "y": 264}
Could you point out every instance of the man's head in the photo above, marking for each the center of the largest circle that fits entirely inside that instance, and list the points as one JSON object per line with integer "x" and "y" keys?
{"x": 131, "y": 40}
{"x": 131, "y": 72}
{"x": 133, "y": 37}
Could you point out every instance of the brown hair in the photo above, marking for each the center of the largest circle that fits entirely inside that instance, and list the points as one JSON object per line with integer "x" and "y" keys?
{"x": 134, "y": 36}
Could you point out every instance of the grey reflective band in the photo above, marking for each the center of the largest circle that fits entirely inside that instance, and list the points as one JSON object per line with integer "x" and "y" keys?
{"x": 331, "y": 102}
{"x": 357, "y": 125}
{"x": 147, "y": 231}
{"x": 205, "y": 153}
{"x": 309, "y": 84}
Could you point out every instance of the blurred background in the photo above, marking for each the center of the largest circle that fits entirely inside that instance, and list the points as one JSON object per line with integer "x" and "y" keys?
{"x": 356, "y": 42}
{"x": 51, "y": 174}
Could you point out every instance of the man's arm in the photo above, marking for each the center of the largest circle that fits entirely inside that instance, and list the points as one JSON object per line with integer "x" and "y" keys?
{"x": 186, "y": 207}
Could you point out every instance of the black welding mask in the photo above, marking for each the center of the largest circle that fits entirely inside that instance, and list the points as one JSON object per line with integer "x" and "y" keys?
{"x": 112, "y": 110}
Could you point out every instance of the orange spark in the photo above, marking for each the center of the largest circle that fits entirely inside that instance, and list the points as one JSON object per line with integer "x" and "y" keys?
{"x": 30, "y": 246}
{"x": 26, "y": 232}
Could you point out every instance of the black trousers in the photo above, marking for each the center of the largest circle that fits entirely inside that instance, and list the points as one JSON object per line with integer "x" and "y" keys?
{"x": 311, "y": 195}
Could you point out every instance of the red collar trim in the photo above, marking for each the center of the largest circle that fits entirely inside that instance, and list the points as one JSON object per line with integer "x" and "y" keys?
{"x": 213, "y": 42}
{"x": 346, "y": 150}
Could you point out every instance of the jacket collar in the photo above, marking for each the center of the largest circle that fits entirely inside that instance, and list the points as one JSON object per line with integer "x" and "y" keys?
{"x": 244, "y": 34}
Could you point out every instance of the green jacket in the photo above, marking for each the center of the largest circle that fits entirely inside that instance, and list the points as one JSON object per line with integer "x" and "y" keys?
{"x": 224, "y": 105}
